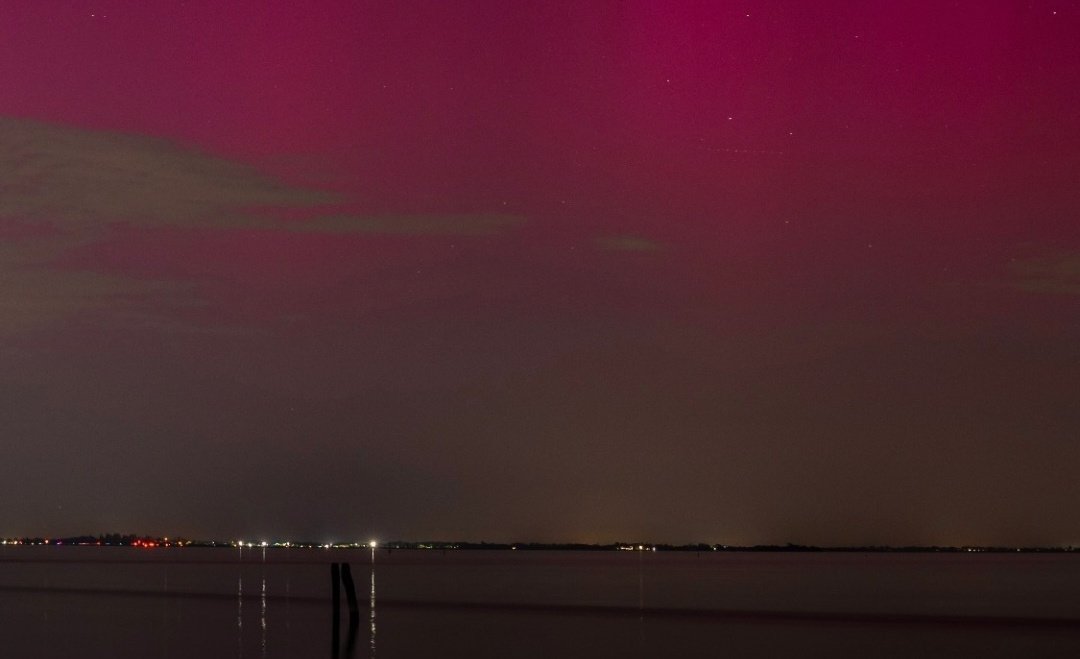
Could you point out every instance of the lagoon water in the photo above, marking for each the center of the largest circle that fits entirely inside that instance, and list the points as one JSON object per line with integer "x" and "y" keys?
{"x": 98, "y": 602}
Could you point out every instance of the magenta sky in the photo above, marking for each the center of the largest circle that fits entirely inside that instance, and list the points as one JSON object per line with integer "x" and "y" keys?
{"x": 726, "y": 272}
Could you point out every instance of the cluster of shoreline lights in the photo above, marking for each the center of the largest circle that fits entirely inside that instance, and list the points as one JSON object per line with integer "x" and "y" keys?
{"x": 145, "y": 544}
{"x": 164, "y": 542}
{"x": 372, "y": 544}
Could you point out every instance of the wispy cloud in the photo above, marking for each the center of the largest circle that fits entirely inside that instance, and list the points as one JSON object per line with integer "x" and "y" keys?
{"x": 81, "y": 179}
{"x": 411, "y": 225}
{"x": 32, "y": 295}
{"x": 62, "y": 187}
{"x": 1057, "y": 273}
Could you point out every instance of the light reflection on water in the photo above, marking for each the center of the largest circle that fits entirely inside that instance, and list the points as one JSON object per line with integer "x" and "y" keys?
{"x": 240, "y": 616}
{"x": 262, "y": 617}
{"x": 79, "y": 607}
{"x": 265, "y": 598}
{"x": 371, "y": 608}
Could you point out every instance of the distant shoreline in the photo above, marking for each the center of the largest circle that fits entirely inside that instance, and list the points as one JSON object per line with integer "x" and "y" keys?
{"x": 153, "y": 542}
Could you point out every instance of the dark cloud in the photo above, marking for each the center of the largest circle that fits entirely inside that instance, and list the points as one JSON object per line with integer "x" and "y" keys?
{"x": 1056, "y": 273}
{"x": 411, "y": 225}
{"x": 83, "y": 179}
{"x": 63, "y": 187}
{"x": 34, "y": 296}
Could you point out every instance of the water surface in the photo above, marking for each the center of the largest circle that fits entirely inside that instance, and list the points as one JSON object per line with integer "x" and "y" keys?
{"x": 114, "y": 602}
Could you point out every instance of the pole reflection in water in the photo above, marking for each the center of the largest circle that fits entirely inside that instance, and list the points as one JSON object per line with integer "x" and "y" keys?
{"x": 354, "y": 609}
{"x": 350, "y": 642}
{"x": 338, "y": 575}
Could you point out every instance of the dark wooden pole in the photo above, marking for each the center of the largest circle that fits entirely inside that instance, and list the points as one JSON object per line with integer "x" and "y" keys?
{"x": 350, "y": 594}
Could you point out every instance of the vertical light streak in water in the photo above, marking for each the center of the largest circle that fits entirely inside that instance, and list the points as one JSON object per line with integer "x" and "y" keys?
{"x": 262, "y": 615}
{"x": 288, "y": 590}
{"x": 240, "y": 616}
{"x": 641, "y": 585}
{"x": 641, "y": 601}
{"x": 240, "y": 601}
{"x": 371, "y": 607}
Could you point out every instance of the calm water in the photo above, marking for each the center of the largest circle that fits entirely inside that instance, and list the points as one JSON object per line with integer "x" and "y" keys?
{"x": 111, "y": 602}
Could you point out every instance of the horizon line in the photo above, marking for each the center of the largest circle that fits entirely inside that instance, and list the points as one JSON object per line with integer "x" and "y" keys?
{"x": 158, "y": 541}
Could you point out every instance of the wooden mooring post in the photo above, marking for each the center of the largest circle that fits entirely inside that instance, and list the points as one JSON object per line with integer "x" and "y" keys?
{"x": 342, "y": 574}
{"x": 350, "y": 595}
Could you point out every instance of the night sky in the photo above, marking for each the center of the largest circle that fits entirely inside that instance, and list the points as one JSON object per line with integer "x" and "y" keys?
{"x": 730, "y": 272}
